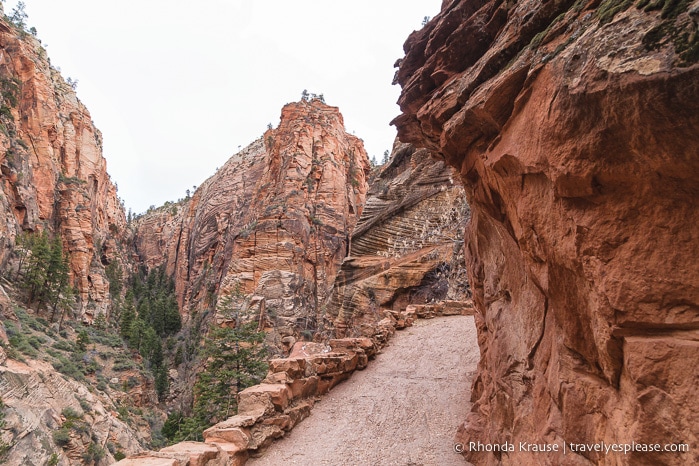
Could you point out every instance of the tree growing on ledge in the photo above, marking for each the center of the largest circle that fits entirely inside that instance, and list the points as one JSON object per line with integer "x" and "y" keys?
{"x": 44, "y": 272}
{"x": 235, "y": 358}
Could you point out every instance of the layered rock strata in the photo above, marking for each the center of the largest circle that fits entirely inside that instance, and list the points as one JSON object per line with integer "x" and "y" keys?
{"x": 573, "y": 127}
{"x": 407, "y": 246}
{"x": 54, "y": 177}
{"x": 272, "y": 224}
{"x": 36, "y": 399}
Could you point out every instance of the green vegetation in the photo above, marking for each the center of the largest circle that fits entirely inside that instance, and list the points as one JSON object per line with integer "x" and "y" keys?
{"x": 235, "y": 358}
{"x": 684, "y": 40}
{"x": 4, "y": 447}
{"x": 609, "y": 8}
{"x": 9, "y": 90}
{"x": 149, "y": 314}
{"x": 18, "y": 17}
{"x": 61, "y": 437}
{"x": 43, "y": 273}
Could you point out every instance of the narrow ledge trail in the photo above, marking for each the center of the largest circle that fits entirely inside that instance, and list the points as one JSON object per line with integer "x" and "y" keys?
{"x": 403, "y": 409}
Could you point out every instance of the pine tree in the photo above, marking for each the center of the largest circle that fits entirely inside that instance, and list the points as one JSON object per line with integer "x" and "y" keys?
{"x": 83, "y": 340}
{"x": 235, "y": 360}
{"x": 37, "y": 268}
{"x": 162, "y": 382}
{"x": 45, "y": 272}
{"x": 137, "y": 331}
{"x": 128, "y": 314}
{"x": 23, "y": 245}
{"x": 19, "y": 16}
{"x": 57, "y": 275}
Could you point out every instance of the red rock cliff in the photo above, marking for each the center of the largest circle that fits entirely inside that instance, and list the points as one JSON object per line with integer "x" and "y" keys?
{"x": 273, "y": 222}
{"x": 574, "y": 128}
{"x": 53, "y": 174}
{"x": 407, "y": 247}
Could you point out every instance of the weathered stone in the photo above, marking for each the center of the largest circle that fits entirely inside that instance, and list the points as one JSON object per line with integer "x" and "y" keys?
{"x": 304, "y": 349}
{"x": 35, "y": 394}
{"x": 341, "y": 345}
{"x": 236, "y": 455}
{"x": 294, "y": 367}
{"x": 288, "y": 343}
{"x": 147, "y": 460}
{"x": 267, "y": 397}
{"x": 300, "y": 411}
{"x": 305, "y": 387}
{"x": 453, "y": 308}
{"x": 224, "y": 432}
{"x": 263, "y": 435}
{"x": 581, "y": 261}
{"x": 283, "y": 421}
{"x": 277, "y": 378}
{"x": 200, "y": 454}
{"x": 333, "y": 362}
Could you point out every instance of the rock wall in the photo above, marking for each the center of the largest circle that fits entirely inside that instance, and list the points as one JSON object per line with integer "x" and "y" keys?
{"x": 407, "y": 246}
{"x": 54, "y": 177}
{"x": 573, "y": 127}
{"x": 272, "y": 224}
{"x": 36, "y": 398}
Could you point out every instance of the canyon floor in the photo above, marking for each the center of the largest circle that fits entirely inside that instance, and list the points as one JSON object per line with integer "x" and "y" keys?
{"x": 403, "y": 409}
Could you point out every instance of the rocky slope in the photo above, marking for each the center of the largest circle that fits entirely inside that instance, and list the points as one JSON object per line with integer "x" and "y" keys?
{"x": 407, "y": 246}
{"x": 54, "y": 177}
{"x": 573, "y": 127}
{"x": 39, "y": 402}
{"x": 272, "y": 224}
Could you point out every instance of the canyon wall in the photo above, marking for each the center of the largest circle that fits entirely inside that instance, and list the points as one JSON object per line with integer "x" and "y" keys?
{"x": 272, "y": 225}
{"x": 573, "y": 126}
{"x": 407, "y": 247}
{"x": 54, "y": 177}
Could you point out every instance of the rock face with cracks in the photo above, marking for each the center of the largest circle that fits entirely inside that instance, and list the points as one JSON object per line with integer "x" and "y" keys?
{"x": 407, "y": 246}
{"x": 573, "y": 126}
{"x": 54, "y": 176}
{"x": 272, "y": 224}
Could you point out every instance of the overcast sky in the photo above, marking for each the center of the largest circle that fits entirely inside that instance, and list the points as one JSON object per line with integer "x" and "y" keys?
{"x": 177, "y": 86}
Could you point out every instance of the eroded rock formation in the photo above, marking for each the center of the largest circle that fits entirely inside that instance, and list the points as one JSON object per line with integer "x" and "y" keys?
{"x": 573, "y": 126}
{"x": 36, "y": 400}
{"x": 53, "y": 174}
{"x": 407, "y": 246}
{"x": 272, "y": 224}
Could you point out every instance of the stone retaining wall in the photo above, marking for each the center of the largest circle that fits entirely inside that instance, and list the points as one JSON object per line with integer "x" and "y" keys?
{"x": 285, "y": 397}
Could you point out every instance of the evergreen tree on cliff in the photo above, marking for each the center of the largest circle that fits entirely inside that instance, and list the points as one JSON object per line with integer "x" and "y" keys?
{"x": 235, "y": 357}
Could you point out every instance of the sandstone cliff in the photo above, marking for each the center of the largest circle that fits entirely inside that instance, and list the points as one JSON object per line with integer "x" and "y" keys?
{"x": 573, "y": 126}
{"x": 272, "y": 224}
{"x": 53, "y": 174}
{"x": 407, "y": 246}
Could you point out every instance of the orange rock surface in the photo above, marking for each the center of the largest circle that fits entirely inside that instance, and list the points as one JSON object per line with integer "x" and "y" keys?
{"x": 407, "y": 246}
{"x": 574, "y": 129}
{"x": 273, "y": 223}
{"x": 54, "y": 176}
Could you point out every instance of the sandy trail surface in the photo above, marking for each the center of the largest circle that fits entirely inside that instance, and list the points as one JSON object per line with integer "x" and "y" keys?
{"x": 403, "y": 409}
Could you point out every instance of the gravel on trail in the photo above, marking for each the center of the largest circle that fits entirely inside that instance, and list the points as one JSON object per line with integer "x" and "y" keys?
{"x": 403, "y": 409}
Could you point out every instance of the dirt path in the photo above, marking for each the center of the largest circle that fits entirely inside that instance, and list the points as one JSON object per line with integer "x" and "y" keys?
{"x": 402, "y": 410}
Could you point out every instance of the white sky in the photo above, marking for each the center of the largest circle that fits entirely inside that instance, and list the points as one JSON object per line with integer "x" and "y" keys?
{"x": 176, "y": 86}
